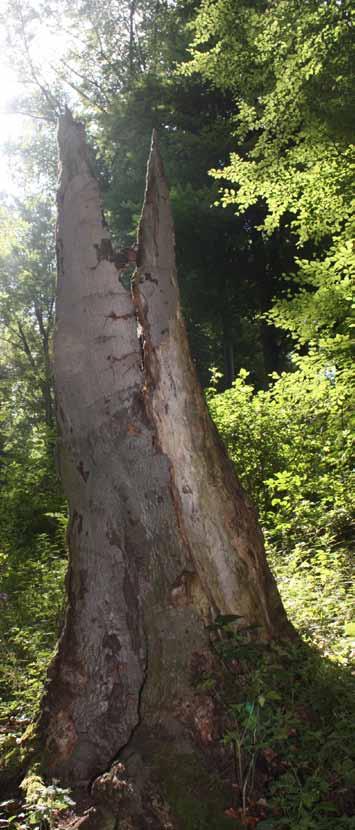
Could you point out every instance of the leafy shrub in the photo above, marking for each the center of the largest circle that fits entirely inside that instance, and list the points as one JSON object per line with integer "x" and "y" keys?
{"x": 290, "y": 717}
{"x": 42, "y": 806}
{"x": 291, "y": 447}
{"x": 32, "y": 591}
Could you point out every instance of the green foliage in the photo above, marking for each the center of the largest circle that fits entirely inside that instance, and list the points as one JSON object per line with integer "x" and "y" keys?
{"x": 42, "y": 807}
{"x": 43, "y": 803}
{"x": 32, "y": 508}
{"x": 291, "y": 711}
{"x": 32, "y": 563}
{"x": 292, "y": 448}
{"x": 289, "y": 725}
{"x": 32, "y": 591}
{"x": 27, "y": 285}
{"x": 290, "y": 69}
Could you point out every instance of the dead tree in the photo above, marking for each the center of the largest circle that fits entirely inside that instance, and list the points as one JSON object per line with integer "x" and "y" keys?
{"x": 162, "y": 536}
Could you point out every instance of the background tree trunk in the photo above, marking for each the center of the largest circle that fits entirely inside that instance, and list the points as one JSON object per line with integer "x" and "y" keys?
{"x": 161, "y": 535}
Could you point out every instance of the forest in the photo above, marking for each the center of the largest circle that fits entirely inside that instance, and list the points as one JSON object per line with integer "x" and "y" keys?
{"x": 252, "y": 103}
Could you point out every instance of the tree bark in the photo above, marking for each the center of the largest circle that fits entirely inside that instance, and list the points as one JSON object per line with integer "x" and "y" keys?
{"x": 229, "y": 362}
{"x": 161, "y": 535}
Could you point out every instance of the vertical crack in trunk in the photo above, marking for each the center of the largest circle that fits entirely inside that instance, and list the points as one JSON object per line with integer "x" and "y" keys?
{"x": 161, "y": 534}
{"x": 91, "y": 703}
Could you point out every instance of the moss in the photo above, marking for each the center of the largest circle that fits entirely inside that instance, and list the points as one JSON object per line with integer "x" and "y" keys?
{"x": 12, "y": 766}
{"x": 29, "y": 739}
{"x": 197, "y": 799}
{"x": 32, "y": 785}
{"x": 16, "y": 756}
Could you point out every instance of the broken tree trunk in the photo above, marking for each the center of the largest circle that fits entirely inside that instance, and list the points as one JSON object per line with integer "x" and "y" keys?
{"x": 161, "y": 536}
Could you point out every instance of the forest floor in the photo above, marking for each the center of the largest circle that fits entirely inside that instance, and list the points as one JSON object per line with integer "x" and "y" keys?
{"x": 288, "y": 718}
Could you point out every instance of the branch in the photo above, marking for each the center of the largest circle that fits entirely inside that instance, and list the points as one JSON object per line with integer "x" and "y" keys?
{"x": 52, "y": 103}
{"x": 50, "y": 311}
{"x": 131, "y": 35}
{"x": 29, "y": 115}
{"x": 26, "y": 347}
{"x": 101, "y": 49}
{"x": 79, "y": 75}
{"x": 81, "y": 93}
{"x": 9, "y": 328}
{"x": 11, "y": 342}
{"x": 41, "y": 326}
{"x": 143, "y": 63}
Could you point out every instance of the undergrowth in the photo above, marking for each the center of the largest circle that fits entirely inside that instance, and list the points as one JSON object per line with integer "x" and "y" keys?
{"x": 291, "y": 710}
{"x": 289, "y": 725}
{"x": 32, "y": 606}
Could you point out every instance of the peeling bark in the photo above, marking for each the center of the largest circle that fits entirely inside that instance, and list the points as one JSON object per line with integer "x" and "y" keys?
{"x": 216, "y": 520}
{"x": 161, "y": 535}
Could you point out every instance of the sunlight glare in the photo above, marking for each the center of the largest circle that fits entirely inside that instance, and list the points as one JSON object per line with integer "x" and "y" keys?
{"x": 46, "y": 51}
{"x": 12, "y": 125}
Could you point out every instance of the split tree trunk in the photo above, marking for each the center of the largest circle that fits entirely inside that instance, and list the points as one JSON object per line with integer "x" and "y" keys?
{"x": 161, "y": 534}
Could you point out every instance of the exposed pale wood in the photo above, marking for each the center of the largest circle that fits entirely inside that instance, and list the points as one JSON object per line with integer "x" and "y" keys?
{"x": 161, "y": 535}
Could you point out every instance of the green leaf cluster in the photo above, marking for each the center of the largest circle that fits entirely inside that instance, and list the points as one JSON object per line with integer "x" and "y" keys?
{"x": 43, "y": 804}
{"x": 290, "y": 69}
{"x": 32, "y": 508}
{"x": 289, "y": 719}
{"x": 292, "y": 448}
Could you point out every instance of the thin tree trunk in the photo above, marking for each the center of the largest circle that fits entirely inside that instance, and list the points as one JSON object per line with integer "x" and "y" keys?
{"x": 131, "y": 36}
{"x": 161, "y": 535}
{"x": 47, "y": 383}
{"x": 229, "y": 363}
